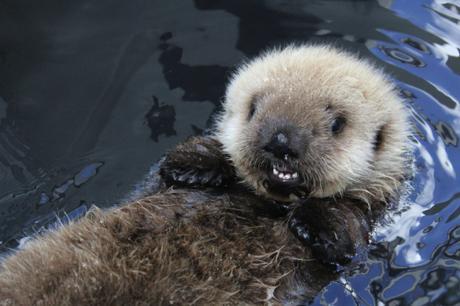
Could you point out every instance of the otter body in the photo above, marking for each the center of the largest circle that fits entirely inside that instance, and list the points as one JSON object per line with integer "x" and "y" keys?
{"x": 309, "y": 148}
{"x": 176, "y": 247}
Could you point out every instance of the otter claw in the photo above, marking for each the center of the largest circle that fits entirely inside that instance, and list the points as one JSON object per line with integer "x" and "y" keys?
{"x": 300, "y": 230}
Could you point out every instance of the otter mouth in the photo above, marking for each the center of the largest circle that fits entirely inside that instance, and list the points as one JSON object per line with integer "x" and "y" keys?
{"x": 283, "y": 180}
{"x": 284, "y": 175}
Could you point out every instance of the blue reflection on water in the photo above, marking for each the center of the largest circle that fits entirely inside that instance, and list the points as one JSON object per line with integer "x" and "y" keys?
{"x": 416, "y": 255}
{"x": 120, "y": 65}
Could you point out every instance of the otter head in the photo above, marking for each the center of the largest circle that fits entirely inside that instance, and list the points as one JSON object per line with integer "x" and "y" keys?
{"x": 314, "y": 121}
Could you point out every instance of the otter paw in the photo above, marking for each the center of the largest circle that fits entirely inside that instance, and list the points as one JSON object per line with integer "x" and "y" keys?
{"x": 198, "y": 162}
{"x": 329, "y": 248}
{"x": 334, "y": 234}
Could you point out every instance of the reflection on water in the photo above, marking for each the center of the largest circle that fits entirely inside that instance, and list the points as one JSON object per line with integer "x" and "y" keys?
{"x": 93, "y": 92}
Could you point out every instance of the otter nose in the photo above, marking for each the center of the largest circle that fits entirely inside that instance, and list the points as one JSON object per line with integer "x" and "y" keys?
{"x": 279, "y": 146}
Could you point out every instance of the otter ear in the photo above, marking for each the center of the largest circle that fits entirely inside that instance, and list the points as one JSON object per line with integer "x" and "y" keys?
{"x": 197, "y": 162}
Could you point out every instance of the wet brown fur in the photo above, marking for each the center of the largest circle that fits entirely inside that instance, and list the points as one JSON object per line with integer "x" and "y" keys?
{"x": 175, "y": 247}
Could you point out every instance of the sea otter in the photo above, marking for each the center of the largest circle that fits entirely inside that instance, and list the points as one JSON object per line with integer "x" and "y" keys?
{"x": 310, "y": 146}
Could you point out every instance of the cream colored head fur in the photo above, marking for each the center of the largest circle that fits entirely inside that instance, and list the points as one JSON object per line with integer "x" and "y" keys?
{"x": 306, "y": 88}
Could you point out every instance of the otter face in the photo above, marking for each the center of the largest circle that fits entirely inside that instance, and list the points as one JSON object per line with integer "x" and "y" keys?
{"x": 313, "y": 121}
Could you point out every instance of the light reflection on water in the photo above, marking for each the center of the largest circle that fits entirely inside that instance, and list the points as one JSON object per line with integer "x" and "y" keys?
{"x": 153, "y": 77}
{"x": 416, "y": 256}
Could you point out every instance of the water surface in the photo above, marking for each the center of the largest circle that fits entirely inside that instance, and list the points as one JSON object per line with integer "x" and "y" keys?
{"x": 92, "y": 93}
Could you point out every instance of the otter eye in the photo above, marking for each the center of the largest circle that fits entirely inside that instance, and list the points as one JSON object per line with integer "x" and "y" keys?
{"x": 338, "y": 125}
{"x": 378, "y": 141}
{"x": 252, "y": 110}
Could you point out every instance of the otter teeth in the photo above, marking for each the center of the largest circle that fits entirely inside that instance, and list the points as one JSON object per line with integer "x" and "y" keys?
{"x": 285, "y": 175}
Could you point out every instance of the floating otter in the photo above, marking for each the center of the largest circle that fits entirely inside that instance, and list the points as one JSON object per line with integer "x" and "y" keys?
{"x": 317, "y": 134}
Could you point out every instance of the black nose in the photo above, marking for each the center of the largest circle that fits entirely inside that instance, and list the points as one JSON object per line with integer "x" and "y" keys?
{"x": 280, "y": 147}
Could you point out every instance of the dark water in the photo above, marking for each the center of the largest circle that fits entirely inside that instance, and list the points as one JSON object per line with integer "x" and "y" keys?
{"x": 93, "y": 92}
